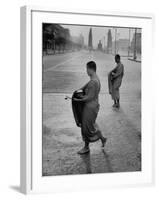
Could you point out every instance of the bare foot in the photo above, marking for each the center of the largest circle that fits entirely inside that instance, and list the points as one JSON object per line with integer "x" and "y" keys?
{"x": 84, "y": 150}
{"x": 117, "y": 105}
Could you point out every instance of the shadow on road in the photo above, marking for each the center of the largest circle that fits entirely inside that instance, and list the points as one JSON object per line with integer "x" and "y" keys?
{"x": 107, "y": 161}
{"x": 86, "y": 159}
{"x": 87, "y": 162}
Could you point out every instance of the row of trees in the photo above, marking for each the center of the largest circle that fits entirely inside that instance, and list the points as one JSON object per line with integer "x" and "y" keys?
{"x": 56, "y": 38}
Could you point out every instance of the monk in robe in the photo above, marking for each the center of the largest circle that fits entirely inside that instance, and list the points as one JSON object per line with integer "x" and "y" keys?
{"x": 89, "y": 129}
{"x": 115, "y": 77}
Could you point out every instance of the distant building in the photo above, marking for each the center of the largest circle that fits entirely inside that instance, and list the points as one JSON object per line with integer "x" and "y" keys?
{"x": 122, "y": 44}
{"x": 78, "y": 40}
{"x": 81, "y": 40}
{"x": 100, "y": 48}
{"x": 136, "y": 43}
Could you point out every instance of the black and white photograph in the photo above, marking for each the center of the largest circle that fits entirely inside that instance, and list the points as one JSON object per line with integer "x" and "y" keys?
{"x": 91, "y": 99}
{"x": 79, "y": 104}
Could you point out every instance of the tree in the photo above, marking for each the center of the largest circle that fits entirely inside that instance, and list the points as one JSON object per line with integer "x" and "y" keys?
{"x": 109, "y": 42}
{"x": 90, "y": 44}
{"x": 54, "y": 35}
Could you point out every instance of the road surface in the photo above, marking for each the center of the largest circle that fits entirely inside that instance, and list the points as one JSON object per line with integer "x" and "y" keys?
{"x": 64, "y": 73}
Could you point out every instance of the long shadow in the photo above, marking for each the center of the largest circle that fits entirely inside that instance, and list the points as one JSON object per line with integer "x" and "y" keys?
{"x": 87, "y": 161}
{"x": 108, "y": 163}
{"x": 133, "y": 135}
{"x": 120, "y": 113}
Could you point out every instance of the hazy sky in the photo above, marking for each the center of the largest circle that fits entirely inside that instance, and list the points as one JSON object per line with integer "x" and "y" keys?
{"x": 98, "y": 33}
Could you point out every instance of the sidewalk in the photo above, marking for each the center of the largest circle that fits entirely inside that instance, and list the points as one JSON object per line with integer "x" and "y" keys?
{"x": 138, "y": 58}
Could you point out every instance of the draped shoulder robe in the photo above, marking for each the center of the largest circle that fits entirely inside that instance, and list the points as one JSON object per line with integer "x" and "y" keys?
{"x": 114, "y": 81}
{"x": 89, "y": 127}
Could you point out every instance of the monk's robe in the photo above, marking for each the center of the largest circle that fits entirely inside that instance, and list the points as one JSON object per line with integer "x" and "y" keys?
{"x": 77, "y": 107}
{"x": 86, "y": 111}
{"x": 115, "y": 80}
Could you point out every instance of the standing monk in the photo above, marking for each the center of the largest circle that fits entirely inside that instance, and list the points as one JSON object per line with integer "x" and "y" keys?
{"x": 114, "y": 81}
{"x": 89, "y": 128}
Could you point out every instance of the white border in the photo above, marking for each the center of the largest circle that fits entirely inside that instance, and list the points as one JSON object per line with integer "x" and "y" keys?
{"x": 25, "y": 107}
{"x": 31, "y": 163}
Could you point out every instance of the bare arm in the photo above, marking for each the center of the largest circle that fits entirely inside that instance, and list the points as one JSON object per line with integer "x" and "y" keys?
{"x": 90, "y": 95}
{"x": 83, "y": 87}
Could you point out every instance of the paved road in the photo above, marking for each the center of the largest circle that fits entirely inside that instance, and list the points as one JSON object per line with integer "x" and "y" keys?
{"x": 62, "y": 139}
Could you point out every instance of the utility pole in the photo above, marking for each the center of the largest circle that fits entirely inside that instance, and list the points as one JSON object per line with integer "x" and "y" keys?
{"x": 135, "y": 44}
{"x": 129, "y": 44}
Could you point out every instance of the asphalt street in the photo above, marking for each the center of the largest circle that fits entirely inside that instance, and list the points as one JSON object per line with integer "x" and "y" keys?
{"x": 64, "y": 73}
